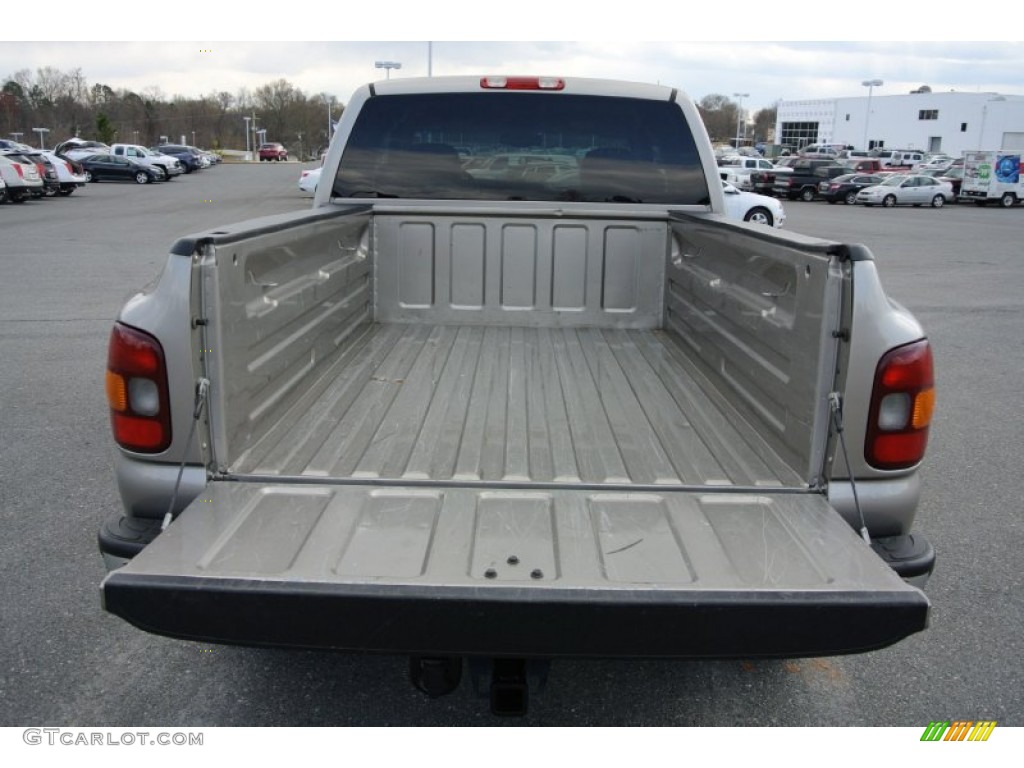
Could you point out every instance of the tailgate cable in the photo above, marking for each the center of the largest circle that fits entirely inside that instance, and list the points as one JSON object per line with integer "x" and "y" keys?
{"x": 202, "y": 389}
{"x": 836, "y": 406}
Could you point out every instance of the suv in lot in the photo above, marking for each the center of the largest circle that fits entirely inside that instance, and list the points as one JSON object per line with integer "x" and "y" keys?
{"x": 273, "y": 151}
{"x": 806, "y": 176}
{"x": 188, "y": 158}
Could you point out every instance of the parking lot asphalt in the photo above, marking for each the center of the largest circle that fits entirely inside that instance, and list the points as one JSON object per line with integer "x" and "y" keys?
{"x": 67, "y": 265}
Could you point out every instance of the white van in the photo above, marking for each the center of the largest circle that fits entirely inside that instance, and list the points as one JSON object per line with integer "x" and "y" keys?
{"x": 900, "y": 158}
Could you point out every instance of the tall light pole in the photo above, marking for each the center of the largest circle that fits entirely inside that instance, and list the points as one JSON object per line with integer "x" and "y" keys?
{"x": 387, "y": 66}
{"x": 42, "y": 135}
{"x": 247, "y": 119}
{"x": 327, "y": 101}
{"x": 739, "y": 115}
{"x": 430, "y": 59}
{"x": 870, "y": 85}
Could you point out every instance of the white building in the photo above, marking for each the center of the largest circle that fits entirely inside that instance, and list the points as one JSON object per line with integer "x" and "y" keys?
{"x": 933, "y": 122}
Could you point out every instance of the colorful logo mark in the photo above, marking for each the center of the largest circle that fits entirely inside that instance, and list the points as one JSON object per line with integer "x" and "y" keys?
{"x": 958, "y": 730}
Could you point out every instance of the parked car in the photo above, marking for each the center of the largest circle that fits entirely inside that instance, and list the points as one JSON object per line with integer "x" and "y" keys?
{"x": 309, "y": 179}
{"x": 748, "y": 206}
{"x": 21, "y": 177}
{"x": 907, "y": 189}
{"x": 862, "y": 164}
{"x": 69, "y": 177}
{"x": 894, "y": 159}
{"x": 845, "y": 188}
{"x": 112, "y": 168}
{"x": 272, "y": 151}
{"x": 954, "y": 175}
{"x": 805, "y": 177}
{"x": 188, "y": 158}
{"x": 45, "y": 168}
{"x": 738, "y": 169}
{"x": 170, "y": 165}
{"x": 934, "y": 162}
{"x": 3, "y": 190}
{"x": 77, "y": 148}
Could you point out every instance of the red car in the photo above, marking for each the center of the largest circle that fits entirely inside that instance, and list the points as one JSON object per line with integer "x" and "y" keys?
{"x": 273, "y": 151}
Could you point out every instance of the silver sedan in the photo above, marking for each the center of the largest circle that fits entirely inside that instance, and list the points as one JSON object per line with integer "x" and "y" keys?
{"x": 907, "y": 189}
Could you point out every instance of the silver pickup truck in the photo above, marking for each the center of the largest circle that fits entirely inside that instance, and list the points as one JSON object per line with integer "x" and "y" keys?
{"x": 566, "y": 411}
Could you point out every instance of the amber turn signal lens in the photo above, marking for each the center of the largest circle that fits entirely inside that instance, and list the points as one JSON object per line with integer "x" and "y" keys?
{"x": 117, "y": 392}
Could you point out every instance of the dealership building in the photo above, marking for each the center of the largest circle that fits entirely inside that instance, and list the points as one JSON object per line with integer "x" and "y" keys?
{"x": 931, "y": 122}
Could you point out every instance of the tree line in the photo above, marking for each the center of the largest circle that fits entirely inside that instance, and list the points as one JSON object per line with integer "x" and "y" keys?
{"x": 66, "y": 104}
{"x": 721, "y": 118}
{"x": 69, "y": 106}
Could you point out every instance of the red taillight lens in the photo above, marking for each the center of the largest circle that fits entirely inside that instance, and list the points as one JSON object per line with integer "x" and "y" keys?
{"x": 902, "y": 402}
{"x": 523, "y": 83}
{"x": 18, "y": 168}
{"x": 136, "y": 387}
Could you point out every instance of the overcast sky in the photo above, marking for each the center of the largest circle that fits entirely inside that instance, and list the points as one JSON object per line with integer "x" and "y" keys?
{"x": 767, "y": 71}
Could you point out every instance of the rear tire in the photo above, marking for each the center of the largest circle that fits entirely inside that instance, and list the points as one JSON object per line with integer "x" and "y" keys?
{"x": 1008, "y": 200}
{"x": 807, "y": 195}
{"x": 851, "y": 198}
{"x": 89, "y": 177}
{"x": 938, "y": 201}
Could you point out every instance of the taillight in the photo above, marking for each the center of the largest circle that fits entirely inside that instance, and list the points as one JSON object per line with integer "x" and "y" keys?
{"x": 140, "y": 413}
{"x": 523, "y": 83}
{"x": 20, "y": 170}
{"x": 902, "y": 402}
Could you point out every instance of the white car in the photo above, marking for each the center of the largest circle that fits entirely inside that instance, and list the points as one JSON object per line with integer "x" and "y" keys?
{"x": 21, "y": 177}
{"x": 309, "y": 179}
{"x": 749, "y": 206}
{"x": 907, "y": 189}
{"x": 69, "y": 180}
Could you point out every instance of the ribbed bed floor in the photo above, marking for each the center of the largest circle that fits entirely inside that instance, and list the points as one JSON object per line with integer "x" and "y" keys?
{"x": 423, "y": 402}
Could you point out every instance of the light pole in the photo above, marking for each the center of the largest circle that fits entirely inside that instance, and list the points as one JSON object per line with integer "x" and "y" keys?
{"x": 247, "y": 119}
{"x": 327, "y": 101}
{"x": 387, "y": 66}
{"x": 42, "y": 135}
{"x": 871, "y": 85}
{"x": 739, "y": 115}
{"x": 17, "y": 136}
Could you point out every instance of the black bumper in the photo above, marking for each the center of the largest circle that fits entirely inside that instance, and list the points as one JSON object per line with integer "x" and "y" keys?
{"x": 514, "y": 622}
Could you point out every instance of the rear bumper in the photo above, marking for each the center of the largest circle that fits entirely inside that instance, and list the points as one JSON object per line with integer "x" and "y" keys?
{"x": 520, "y": 623}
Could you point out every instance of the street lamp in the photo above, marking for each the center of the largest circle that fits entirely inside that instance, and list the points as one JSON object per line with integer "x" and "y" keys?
{"x": 870, "y": 85}
{"x": 739, "y": 115}
{"x": 247, "y": 119}
{"x": 387, "y": 66}
{"x": 327, "y": 101}
{"x": 42, "y": 135}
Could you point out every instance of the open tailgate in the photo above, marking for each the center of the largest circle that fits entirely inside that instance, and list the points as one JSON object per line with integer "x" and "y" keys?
{"x": 508, "y": 572}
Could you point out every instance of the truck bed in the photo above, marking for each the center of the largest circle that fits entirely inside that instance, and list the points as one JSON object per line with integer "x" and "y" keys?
{"x": 568, "y": 406}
